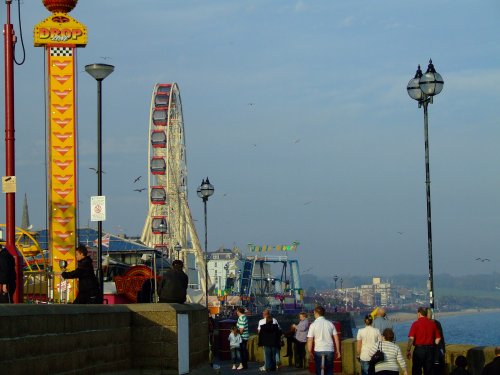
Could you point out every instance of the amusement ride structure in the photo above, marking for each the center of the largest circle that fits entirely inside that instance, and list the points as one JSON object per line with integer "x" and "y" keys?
{"x": 169, "y": 226}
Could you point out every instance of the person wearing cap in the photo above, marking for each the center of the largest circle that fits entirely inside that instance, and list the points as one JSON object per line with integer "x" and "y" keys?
{"x": 380, "y": 321}
{"x": 173, "y": 288}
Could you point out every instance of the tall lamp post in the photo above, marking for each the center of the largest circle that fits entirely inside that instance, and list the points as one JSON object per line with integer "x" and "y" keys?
{"x": 335, "y": 278}
{"x": 99, "y": 72}
{"x": 205, "y": 190}
{"x": 422, "y": 88}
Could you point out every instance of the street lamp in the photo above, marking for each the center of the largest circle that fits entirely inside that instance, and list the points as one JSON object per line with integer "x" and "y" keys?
{"x": 335, "y": 278}
{"x": 99, "y": 72}
{"x": 226, "y": 268}
{"x": 162, "y": 228}
{"x": 178, "y": 248}
{"x": 422, "y": 88}
{"x": 204, "y": 191}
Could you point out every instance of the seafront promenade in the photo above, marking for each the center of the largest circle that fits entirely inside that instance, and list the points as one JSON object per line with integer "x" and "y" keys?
{"x": 141, "y": 339}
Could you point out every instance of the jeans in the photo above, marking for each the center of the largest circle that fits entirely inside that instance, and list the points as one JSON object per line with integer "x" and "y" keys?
{"x": 235, "y": 355}
{"x": 328, "y": 362}
{"x": 422, "y": 358}
{"x": 365, "y": 365}
{"x": 270, "y": 357}
{"x": 244, "y": 353}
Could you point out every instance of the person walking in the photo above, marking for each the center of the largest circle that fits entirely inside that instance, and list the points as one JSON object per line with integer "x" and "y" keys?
{"x": 270, "y": 339}
{"x": 423, "y": 335}
{"x": 265, "y": 314}
{"x": 242, "y": 325}
{"x": 381, "y": 322}
{"x": 366, "y": 338}
{"x": 173, "y": 288}
{"x": 392, "y": 355}
{"x": 7, "y": 276}
{"x": 88, "y": 285}
{"x": 322, "y": 334}
{"x": 301, "y": 330}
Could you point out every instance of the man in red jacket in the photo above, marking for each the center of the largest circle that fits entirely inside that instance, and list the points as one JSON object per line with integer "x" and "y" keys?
{"x": 423, "y": 335}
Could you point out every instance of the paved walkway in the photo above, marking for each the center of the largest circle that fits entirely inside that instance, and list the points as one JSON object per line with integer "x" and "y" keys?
{"x": 253, "y": 369}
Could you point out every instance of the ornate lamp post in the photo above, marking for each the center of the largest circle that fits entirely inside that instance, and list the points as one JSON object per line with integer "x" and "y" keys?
{"x": 162, "y": 228}
{"x": 99, "y": 72}
{"x": 422, "y": 88}
{"x": 178, "y": 249}
{"x": 204, "y": 191}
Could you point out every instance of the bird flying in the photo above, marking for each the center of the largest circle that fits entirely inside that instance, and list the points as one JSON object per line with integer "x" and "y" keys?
{"x": 137, "y": 179}
{"x": 140, "y": 190}
{"x": 95, "y": 169}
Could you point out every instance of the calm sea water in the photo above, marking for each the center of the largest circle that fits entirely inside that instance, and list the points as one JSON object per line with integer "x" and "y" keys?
{"x": 480, "y": 329}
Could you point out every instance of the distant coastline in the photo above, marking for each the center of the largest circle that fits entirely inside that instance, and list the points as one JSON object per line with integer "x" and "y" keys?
{"x": 407, "y": 316}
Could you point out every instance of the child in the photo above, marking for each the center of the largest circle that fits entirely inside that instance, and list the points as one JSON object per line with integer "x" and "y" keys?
{"x": 461, "y": 363}
{"x": 234, "y": 345}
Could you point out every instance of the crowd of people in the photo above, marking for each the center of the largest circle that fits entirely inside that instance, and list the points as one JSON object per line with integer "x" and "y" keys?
{"x": 425, "y": 347}
{"x": 320, "y": 338}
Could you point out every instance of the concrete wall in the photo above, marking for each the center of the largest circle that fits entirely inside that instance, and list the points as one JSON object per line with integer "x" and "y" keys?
{"x": 92, "y": 339}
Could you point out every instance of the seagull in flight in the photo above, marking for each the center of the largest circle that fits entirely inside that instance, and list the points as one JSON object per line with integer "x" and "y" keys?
{"x": 137, "y": 179}
{"x": 296, "y": 140}
{"x": 140, "y": 190}
{"x": 483, "y": 259}
{"x": 400, "y": 233}
{"x": 309, "y": 202}
{"x": 95, "y": 169}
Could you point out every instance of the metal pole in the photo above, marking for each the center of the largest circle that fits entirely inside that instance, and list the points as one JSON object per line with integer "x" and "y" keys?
{"x": 428, "y": 195}
{"x": 206, "y": 250}
{"x": 100, "y": 275}
{"x": 10, "y": 167}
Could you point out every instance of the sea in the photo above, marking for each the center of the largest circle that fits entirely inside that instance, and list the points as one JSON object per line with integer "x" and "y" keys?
{"x": 479, "y": 329}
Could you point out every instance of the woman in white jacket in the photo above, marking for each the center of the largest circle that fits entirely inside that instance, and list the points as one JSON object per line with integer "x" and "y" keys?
{"x": 366, "y": 338}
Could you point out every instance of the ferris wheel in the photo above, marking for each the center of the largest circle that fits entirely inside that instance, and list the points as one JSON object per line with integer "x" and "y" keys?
{"x": 169, "y": 226}
{"x": 166, "y": 225}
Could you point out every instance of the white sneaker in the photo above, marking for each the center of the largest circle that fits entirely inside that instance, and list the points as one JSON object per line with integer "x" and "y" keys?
{"x": 262, "y": 368}
{"x": 240, "y": 367}
{"x": 234, "y": 367}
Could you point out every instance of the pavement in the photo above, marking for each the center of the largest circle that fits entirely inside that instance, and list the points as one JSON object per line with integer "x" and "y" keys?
{"x": 253, "y": 369}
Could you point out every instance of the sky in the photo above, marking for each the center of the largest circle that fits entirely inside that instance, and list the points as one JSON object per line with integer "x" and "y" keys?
{"x": 297, "y": 111}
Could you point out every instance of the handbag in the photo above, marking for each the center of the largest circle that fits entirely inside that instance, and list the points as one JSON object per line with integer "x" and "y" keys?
{"x": 378, "y": 356}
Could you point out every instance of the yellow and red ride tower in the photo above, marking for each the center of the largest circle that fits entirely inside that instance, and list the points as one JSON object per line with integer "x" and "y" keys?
{"x": 61, "y": 35}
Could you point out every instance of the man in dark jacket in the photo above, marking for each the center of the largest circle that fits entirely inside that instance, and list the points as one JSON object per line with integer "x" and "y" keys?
{"x": 88, "y": 285}
{"x": 270, "y": 339}
{"x": 7, "y": 276}
{"x": 493, "y": 368}
{"x": 174, "y": 284}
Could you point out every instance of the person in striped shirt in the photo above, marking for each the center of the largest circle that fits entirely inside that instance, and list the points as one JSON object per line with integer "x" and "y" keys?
{"x": 242, "y": 325}
{"x": 392, "y": 355}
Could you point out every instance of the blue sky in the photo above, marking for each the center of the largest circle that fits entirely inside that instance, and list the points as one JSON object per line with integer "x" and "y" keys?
{"x": 331, "y": 153}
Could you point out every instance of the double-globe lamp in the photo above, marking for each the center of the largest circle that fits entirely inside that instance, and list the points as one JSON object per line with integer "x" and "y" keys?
{"x": 99, "y": 72}
{"x": 422, "y": 88}
{"x": 204, "y": 191}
